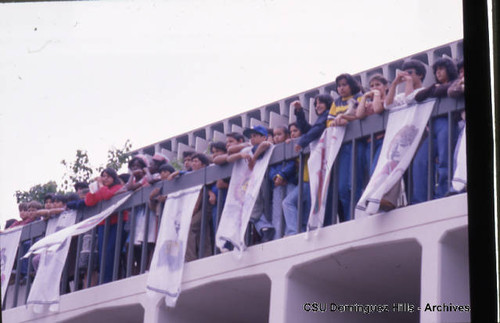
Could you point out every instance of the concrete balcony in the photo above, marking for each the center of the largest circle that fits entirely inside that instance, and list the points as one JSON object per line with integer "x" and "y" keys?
{"x": 405, "y": 259}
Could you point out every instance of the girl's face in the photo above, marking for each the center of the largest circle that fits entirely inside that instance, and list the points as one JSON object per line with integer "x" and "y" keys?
{"x": 106, "y": 179}
{"x": 294, "y": 132}
{"x": 441, "y": 74}
{"x": 344, "y": 89}
{"x": 377, "y": 85}
{"x": 279, "y": 135}
{"x": 136, "y": 165}
{"x": 320, "y": 107}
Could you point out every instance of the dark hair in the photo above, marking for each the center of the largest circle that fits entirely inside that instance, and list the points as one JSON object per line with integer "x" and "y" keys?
{"x": 132, "y": 161}
{"x": 218, "y": 145}
{"x": 48, "y": 197}
{"x": 37, "y": 205}
{"x": 202, "y": 157}
{"x": 9, "y": 222}
{"x": 72, "y": 197}
{"x": 379, "y": 77}
{"x": 447, "y": 63}
{"x": 285, "y": 129}
{"x": 293, "y": 124}
{"x": 236, "y": 135}
{"x": 23, "y": 206}
{"x": 188, "y": 153}
{"x": 112, "y": 173}
{"x": 353, "y": 84}
{"x": 166, "y": 168}
{"x": 270, "y": 132}
{"x": 325, "y": 98}
{"x": 417, "y": 65}
{"x": 124, "y": 177}
{"x": 60, "y": 198}
{"x": 460, "y": 64}
{"x": 81, "y": 185}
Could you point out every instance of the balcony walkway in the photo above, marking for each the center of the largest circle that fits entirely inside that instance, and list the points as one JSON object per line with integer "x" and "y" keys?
{"x": 410, "y": 256}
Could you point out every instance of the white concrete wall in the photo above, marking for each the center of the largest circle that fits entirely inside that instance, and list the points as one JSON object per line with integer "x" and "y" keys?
{"x": 411, "y": 256}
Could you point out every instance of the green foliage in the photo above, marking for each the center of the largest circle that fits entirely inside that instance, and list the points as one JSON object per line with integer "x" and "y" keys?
{"x": 36, "y": 193}
{"x": 117, "y": 157}
{"x": 177, "y": 165}
{"x": 77, "y": 171}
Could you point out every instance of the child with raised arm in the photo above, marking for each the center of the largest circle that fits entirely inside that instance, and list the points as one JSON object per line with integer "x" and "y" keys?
{"x": 304, "y": 133}
{"x": 283, "y": 178}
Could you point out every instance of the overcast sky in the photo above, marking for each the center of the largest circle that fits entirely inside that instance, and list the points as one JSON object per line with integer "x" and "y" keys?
{"x": 90, "y": 75}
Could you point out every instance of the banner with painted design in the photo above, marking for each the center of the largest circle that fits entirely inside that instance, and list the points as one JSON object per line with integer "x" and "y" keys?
{"x": 165, "y": 274}
{"x": 9, "y": 241}
{"x": 53, "y": 250}
{"x": 242, "y": 193}
{"x": 63, "y": 220}
{"x": 459, "y": 180}
{"x": 323, "y": 154}
{"x": 405, "y": 127}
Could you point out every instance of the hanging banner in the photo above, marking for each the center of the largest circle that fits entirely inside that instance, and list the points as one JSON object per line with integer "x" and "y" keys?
{"x": 53, "y": 250}
{"x": 405, "y": 127}
{"x": 242, "y": 193}
{"x": 63, "y": 220}
{"x": 9, "y": 241}
{"x": 459, "y": 180}
{"x": 54, "y": 240}
{"x": 323, "y": 154}
{"x": 165, "y": 274}
{"x": 44, "y": 293}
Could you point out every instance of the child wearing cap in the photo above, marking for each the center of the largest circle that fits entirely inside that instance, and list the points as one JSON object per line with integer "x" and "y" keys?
{"x": 258, "y": 139}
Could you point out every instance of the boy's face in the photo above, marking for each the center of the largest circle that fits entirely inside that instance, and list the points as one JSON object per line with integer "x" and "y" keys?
{"x": 230, "y": 141}
{"x": 196, "y": 164}
{"x": 279, "y": 135}
{"x": 441, "y": 74}
{"x": 164, "y": 174}
{"x": 413, "y": 74}
{"x": 256, "y": 138}
{"x": 187, "y": 163}
{"x": 217, "y": 152}
{"x": 343, "y": 88}
{"x": 294, "y": 132}
{"x": 461, "y": 72}
{"x": 58, "y": 204}
{"x": 48, "y": 204}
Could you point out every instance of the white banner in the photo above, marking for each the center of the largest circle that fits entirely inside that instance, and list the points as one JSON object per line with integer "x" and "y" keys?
{"x": 242, "y": 193}
{"x": 165, "y": 274}
{"x": 54, "y": 240}
{"x": 405, "y": 127}
{"x": 323, "y": 154}
{"x": 9, "y": 241}
{"x": 460, "y": 176}
{"x": 44, "y": 293}
{"x": 64, "y": 220}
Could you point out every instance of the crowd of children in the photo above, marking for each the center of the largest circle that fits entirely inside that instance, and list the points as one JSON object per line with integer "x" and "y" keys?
{"x": 290, "y": 194}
